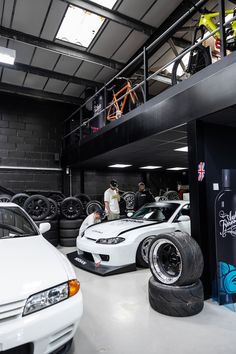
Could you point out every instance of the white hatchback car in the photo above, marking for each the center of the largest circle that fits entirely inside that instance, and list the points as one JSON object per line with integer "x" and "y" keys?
{"x": 114, "y": 246}
{"x": 40, "y": 298}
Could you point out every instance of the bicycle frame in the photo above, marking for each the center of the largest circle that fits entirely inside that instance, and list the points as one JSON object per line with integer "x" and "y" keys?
{"x": 119, "y": 106}
{"x": 206, "y": 20}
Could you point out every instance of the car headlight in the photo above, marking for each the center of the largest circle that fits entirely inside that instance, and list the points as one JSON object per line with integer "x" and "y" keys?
{"x": 51, "y": 296}
{"x": 110, "y": 241}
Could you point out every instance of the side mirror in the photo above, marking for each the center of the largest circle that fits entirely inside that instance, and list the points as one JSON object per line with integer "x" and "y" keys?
{"x": 44, "y": 227}
{"x": 183, "y": 218}
{"x": 130, "y": 214}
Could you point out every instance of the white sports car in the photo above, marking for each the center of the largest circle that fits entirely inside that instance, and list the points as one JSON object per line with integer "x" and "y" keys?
{"x": 40, "y": 298}
{"x": 118, "y": 245}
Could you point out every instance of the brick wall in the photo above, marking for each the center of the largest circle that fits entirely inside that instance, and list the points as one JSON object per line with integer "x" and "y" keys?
{"x": 30, "y": 136}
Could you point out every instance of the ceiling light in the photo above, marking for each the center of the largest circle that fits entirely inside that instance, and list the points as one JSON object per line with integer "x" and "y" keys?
{"x": 80, "y": 26}
{"x": 119, "y": 165}
{"x": 149, "y": 167}
{"x": 177, "y": 168}
{"x": 7, "y": 55}
{"x": 183, "y": 149}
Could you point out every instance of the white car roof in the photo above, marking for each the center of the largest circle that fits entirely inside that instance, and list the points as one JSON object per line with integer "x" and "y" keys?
{"x": 8, "y": 204}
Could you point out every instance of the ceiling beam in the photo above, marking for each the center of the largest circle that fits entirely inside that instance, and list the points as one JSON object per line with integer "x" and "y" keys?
{"x": 20, "y": 90}
{"x": 164, "y": 32}
{"x": 113, "y": 15}
{"x": 51, "y": 74}
{"x": 59, "y": 48}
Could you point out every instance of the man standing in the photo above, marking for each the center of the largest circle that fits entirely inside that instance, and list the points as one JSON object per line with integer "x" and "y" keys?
{"x": 111, "y": 199}
{"x": 143, "y": 196}
{"x": 91, "y": 219}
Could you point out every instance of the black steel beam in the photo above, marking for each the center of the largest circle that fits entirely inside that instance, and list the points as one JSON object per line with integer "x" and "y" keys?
{"x": 51, "y": 74}
{"x": 113, "y": 15}
{"x": 181, "y": 42}
{"x": 20, "y": 90}
{"x": 182, "y": 9}
{"x": 59, "y": 48}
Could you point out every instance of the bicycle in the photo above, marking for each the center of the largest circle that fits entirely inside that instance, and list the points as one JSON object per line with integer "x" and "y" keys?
{"x": 131, "y": 100}
{"x": 200, "y": 57}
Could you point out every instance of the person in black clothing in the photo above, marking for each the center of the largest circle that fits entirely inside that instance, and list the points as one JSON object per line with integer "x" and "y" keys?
{"x": 143, "y": 196}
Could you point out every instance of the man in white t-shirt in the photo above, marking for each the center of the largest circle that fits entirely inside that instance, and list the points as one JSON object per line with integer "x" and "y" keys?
{"x": 111, "y": 199}
{"x": 91, "y": 219}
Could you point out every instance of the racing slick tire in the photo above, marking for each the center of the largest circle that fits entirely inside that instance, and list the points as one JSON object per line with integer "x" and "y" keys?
{"x": 69, "y": 233}
{"x": 70, "y": 224}
{"x": 68, "y": 242}
{"x": 71, "y": 208}
{"x": 37, "y": 206}
{"x": 175, "y": 259}
{"x": 178, "y": 301}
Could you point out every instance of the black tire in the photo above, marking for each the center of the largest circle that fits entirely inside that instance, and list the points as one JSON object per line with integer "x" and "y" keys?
{"x": 5, "y": 198}
{"x": 37, "y": 206}
{"x": 203, "y": 59}
{"x": 178, "y": 301}
{"x": 84, "y": 198}
{"x": 19, "y": 199}
{"x": 70, "y": 224}
{"x": 73, "y": 233}
{"x": 143, "y": 251}
{"x": 53, "y": 211}
{"x": 92, "y": 206}
{"x": 54, "y": 242}
{"x": 140, "y": 95}
{"x": 129, "y": 199}
{"x": 57, "y": 197}
{"x": 54, "y": 224}
{"x": 51, "y": 235}
{"x": 67, "y": 242}
{"x": 175, "y": 259}
{"x": 71, "y": 208}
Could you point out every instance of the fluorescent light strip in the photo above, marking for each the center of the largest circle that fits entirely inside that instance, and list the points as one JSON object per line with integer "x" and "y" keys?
{"x": 176, "y": 168}
{"x": 119, "y": 165}
{"x": 30, "y": 168}
{"x": 150, "y": 167}
{"x": 183, "y": 149}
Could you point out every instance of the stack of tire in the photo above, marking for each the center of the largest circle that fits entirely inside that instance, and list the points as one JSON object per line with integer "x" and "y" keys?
{"x": 176, "y": 263}
{"x": 72, "y": 216}
{"x": 41, "y": 209}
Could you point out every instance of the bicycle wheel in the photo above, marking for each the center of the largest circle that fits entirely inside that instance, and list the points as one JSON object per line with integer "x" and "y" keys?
{"x": 182, "y": 69}
{"x": 113, "y": 113}
{"x": 138, "y": 97}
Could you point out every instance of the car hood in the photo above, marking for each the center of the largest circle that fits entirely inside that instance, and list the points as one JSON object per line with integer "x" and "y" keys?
{"x": 114, "y": 228}
{"x": 29, "y": 265}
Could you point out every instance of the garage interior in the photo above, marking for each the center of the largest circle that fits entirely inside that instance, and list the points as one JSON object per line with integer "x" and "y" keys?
{"x": 45, "y": 146}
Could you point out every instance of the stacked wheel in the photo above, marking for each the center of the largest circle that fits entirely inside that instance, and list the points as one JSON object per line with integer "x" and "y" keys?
{"x": 69, "y": 231}
{"x": 176, "y": 263}
{"x": 72, "y": 210}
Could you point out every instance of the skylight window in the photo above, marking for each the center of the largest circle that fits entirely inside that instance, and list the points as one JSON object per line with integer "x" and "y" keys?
{"x": 80, "y": 26}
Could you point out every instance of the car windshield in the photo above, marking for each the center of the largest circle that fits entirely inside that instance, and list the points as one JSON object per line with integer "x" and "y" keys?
{"x": 15, "y": 223}
{"x": 161, "y": 212}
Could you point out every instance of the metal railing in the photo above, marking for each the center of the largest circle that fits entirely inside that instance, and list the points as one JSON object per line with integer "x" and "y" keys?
{"x": 147, "y": 77}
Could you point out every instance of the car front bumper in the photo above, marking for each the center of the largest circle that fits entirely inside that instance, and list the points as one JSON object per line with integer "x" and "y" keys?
{"x": 121, "y": 254}
{"x": 46, "y": 330}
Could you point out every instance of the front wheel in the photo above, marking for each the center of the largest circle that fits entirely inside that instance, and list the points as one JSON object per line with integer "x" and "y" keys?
{"x": 142, "y": 252}
{"x": 190, "y": 64}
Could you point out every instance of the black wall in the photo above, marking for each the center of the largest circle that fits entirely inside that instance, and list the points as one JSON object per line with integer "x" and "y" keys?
{"x": 215, "y": 145}
{"x": 30, "y": 136}
{"x": 96, "y": 182}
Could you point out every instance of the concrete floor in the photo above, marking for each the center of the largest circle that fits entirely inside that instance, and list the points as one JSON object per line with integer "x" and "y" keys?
{"x": 118, "y": 320}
